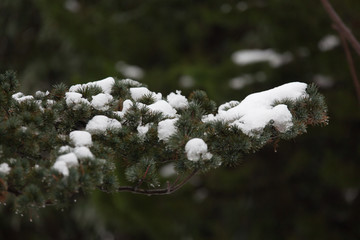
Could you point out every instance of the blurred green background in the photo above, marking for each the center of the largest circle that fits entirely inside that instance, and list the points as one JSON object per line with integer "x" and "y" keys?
{"x": 308, "y": 189}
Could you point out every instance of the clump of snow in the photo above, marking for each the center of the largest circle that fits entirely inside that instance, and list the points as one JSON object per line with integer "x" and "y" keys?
{"x": 166, "y": 128}
{"x": 226, "y": 106}
{"x": 328, "y": 42}
{"x": 105, "y": 84}
{"x": 250, "y": 56}
{"x": 139, "y": 92}
{"x": 197, "y": 149}
{"x": 257, "y": 110}
{"x": 83, "y": 152}
{"x": 130, "y": 82}
{"x": 65, "y": 149}
{"x": 130, "y": 71}
{"x": 4, "y": 168}
{"x": 177, "y": 100}
{"x": 168, "y": 170}
{"x": 80, "y": 138}
{"x": 163, "y": 107}
{"x": 101, "y": 101}
{"x": 142, "y": 130}
{"x": 74, "y": 98}
{"x": 41, "y": 94}
{"x": 19, "y": 97}
{"x": 100, "y": 123}
{"x": 64, "y": 162}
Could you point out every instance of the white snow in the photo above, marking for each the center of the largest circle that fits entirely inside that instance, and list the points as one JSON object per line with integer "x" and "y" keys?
{"x": 101, "y": 101}
{"x": 197, "y": 149}
{"x": 41, "y": 94}
{"x": 65, "y": 149}
{"x": 167, "y": 170}
{"x": 177, "y": 100}
{"x": 142, "y": 130}
{"x": 4, "y": 168}
{"x": 61, "y": 168}
{"x": 139, "y": 92}
{"x": 64, "y": 162}
{"x": 131, "y": 82}
{"x": 80, "y": 138}
{"x": 100, "y": 123}
{"x": 163, "y": 107}
{"x": 105, "y": 84}
{"x": 83, "y": 152}
{"x": 19, "y": 97}
{"x": 257, "y": 110}
{"x": 166, "y": 128}
{"x": 250, "y": 56}
{"x": 328, "y": 43}
{"x": 130, "y": 71}
{"x": 74, "y": 98}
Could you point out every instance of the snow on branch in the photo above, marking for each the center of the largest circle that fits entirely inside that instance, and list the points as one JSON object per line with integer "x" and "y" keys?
{"x": 117, "y": 135}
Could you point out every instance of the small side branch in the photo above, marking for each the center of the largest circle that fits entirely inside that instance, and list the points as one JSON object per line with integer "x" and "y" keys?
{"x": 351, "y": 66}
{"x": 160, "y": 191}
{"x": 342, "y": 28}
{"x": 346, "y": 36}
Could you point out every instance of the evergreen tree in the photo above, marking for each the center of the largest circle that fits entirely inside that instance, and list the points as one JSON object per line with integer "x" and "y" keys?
{"x": 116, "y": 135}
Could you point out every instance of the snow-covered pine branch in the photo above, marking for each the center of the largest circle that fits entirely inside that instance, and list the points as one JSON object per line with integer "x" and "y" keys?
{"x": 117, "y": 135}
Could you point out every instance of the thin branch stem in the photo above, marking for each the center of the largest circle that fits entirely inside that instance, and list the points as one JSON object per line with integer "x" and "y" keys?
{"x": 346, "y": 36}
{"x": 342, "y": 28}
{"x": 160, "y": 191}
{"x": 351, "y": 66}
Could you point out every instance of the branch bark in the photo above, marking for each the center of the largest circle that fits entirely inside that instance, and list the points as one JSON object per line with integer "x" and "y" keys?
{"x": 159, "y": 191}
{"x": 346, "y": 36}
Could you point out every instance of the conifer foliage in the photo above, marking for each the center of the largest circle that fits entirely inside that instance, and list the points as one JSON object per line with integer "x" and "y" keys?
{"x": 116, "y": 135}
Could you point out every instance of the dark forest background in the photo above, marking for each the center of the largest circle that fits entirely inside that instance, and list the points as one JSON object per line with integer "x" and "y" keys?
{"x": 308, "y": 189}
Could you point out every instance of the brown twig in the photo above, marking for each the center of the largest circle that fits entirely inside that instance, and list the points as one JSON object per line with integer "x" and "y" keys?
{"x": 346, "y": 36}
{"x": 342, "y": 28}
{"x": 160, "y": 191}
{"x": 351, "y": 66}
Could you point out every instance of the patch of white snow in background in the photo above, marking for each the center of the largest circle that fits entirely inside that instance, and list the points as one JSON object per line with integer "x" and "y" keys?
{"x": 323, "y": 81}
{"x": 130, "y": 71}
{"x": 64, "y": 162}
{"x": 83, "y": 152}
{"x": 72, "y": 5}
{"x": 142, "y": 130}
{"x": 167, "y": 170}
{"x": 163, "y": 107}
{"x": 166, "y": 128}
{"x": 80, "y": 138}
{"x": 100, "y": 123}
{"x": 245, "y": 57}
{"x": 105, "y": 84}
{"x": 197, "y": 149}
{"x": 257, "y": 109}
{"x": 186, "y": 81}
{"x": 242, "y": 6}
{"x": 4, "y": 168}
{"x": 177, "y": 100}
{"x": 19, "y": 97}
{"x": 328, "y": 42}
{"x": 246, "y": 79}
{"x": 139, "y": 92}
{"x": 101, "y": 101}
{"x": 72, "y": 98}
